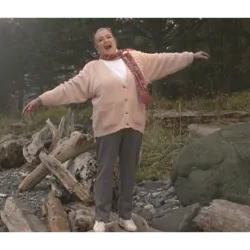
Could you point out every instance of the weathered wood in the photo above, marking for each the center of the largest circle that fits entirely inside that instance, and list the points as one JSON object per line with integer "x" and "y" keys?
{"x": 69, "y": 122}
{"x": 75, "y": 145}
{"x": 83, "y": 167}
{"x": 68, "y": 181}
{"x": 18, "y": 218}
{"x": 201, "y": 130}
{"x": 55, "y": 134}
{"x": 84, "y": 220}
{"x": 224, "y": 216}
{"x": 57, "y": 187}
{"x": 32, "y": 148}
{"x": 80, "y": 216}
{"x": 26, "y": 169}
{"x": 39, "y": 141}
{"x": 11, "y": 154}
{"x": 57, "y": 217}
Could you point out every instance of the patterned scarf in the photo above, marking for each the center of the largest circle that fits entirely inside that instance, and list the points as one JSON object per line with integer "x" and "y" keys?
{"x": 143, "y": 93}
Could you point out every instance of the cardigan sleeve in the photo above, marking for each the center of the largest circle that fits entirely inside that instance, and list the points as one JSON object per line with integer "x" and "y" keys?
{"x": 158, "y": 65}
{"x": 75, "y": 90}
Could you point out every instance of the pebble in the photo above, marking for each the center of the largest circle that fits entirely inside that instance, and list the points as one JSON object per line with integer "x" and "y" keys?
{"x": 152, "y": 211}
{"x": 140, "y": 204}
{"x": 137, "y": 197}
{"x": 155, "y": 194}
{"x": 148, "y": 206}
{"x": 154, "y": 199}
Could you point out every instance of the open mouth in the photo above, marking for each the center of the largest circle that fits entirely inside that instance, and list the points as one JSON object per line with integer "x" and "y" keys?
{"x": 108, "y": 47}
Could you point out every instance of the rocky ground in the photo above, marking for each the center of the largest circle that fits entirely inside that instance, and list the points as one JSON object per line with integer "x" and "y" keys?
{"x": 9, "y": 182}
{"x": 152, "y": 199}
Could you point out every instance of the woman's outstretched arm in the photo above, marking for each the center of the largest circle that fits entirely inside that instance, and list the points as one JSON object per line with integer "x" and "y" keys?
{"x": 158, "y": 65}
{"x": 75, "y": 90}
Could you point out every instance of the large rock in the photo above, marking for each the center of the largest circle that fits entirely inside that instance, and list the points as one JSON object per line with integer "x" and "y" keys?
{"x": 215, "y": 166}
{"x": 180, "y": 220}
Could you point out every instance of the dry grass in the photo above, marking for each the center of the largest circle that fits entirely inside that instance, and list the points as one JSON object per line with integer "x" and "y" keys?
{"x": 235, "y": 101}
{"x": 160, "y": 146}
{"x": 160, "y": 143}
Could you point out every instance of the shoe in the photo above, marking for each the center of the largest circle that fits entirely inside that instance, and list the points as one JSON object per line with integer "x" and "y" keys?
{"x": 99, "y": 226}
{"x": 128, "y": 225}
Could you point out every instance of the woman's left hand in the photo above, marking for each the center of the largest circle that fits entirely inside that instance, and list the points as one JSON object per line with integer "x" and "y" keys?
{"x": 201, "y": 55}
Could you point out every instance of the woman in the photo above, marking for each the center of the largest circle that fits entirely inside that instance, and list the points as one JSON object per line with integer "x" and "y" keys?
{"x": 117, "y": 86}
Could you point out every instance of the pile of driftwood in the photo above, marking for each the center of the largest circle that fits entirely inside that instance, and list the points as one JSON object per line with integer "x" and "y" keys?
{"x": 67, "y": 159}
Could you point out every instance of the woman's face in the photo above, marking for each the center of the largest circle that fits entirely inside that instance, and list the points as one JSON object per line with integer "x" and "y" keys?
{"x": 105, "y": 42}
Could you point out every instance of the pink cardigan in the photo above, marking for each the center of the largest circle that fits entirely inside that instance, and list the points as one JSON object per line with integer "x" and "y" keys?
{"x": 115, "y": 103}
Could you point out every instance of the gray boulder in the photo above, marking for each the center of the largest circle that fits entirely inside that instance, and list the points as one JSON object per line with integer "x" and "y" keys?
{"x": 180, "y": 220}
{"x": 215, "y": 167}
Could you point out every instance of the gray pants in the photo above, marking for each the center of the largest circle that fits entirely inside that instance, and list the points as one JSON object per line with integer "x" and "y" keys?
{"x": 125, "y": 144}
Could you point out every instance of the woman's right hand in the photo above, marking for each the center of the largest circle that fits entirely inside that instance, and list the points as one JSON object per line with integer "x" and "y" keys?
{"x": 32, "y": 105}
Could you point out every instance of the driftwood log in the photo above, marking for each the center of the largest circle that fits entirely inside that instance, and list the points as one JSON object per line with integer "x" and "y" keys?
{"x": 38, "y": 142}
{"x": 68, "y": 149}
{"x": 83, "y": 168}
{"x": 224, "y": 216}
{"x": 11, "y": 147}
{"x": 68, "y": 181}
{"x": 201, "y": 130}
{"x": 18, "y": 217}
{"x": 81, "y": 217}
{"x": 57, "y": 217}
